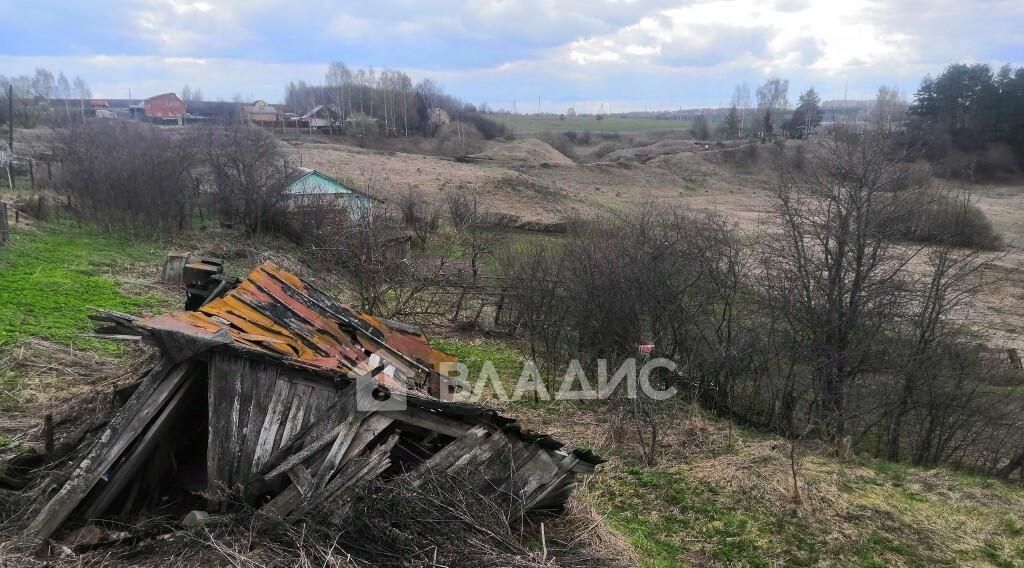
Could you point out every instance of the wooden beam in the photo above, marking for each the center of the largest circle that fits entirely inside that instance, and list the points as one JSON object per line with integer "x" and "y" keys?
{"x": 448, "y": 455}
{"x": 428, "y": 420}
{"x": 347, "y": 432}
{"x": 122, "y": 431}
{"x": 141, "y": 452}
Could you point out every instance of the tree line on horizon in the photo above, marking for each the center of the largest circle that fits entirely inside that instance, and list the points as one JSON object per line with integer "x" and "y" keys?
{"x": 391, "y": 99}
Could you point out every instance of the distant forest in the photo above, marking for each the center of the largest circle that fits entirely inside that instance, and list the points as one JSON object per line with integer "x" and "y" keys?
{"x": 971, "y": 118}
{"x": 390, "y": 98}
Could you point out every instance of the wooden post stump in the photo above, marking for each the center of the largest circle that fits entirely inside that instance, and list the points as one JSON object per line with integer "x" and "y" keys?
{"x": 174, "y": 266}
{"x": 4, "y": 232}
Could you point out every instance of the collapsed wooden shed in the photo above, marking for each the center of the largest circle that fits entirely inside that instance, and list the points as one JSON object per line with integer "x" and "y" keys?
{"x": 274, "y": 395}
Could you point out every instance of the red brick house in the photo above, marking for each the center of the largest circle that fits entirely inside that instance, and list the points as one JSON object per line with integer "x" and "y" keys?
{"x": 165, "y": 108}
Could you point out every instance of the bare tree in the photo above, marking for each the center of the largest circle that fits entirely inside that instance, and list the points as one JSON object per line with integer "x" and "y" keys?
{"x": 245, "y": 166}
{"x": 890, "y": 106}
{"x": 741, "y": 100}
{"x": 478, "y": 233}
{"x": 833, "y": 264}
{"x": 772, "y": 100}
{"x": 43, "y": 84}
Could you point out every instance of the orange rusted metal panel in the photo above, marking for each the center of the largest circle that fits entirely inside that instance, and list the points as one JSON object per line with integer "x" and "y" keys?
{"x": 276, "y": 312}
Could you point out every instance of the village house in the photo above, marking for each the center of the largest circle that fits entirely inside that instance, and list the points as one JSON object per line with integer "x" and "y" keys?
{"x": 310, "y": 191}
{"x": 306, "y": 187}
{"x": 261, "y": 113}
{"x": 320, "y": 117}
{"x": 164, "y": 108}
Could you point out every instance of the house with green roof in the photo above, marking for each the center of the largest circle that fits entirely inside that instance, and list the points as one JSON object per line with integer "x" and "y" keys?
{"x": 306, "y": 188}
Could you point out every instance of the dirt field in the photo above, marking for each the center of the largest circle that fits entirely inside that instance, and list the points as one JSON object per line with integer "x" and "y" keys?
{"x": 532, "y": 180}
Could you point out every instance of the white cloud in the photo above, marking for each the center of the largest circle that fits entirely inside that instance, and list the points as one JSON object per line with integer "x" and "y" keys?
{"x": 652, "y": 52}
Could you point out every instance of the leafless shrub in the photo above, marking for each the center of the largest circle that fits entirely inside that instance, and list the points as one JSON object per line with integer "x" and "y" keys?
{"x": 128, "y": 176}
{"x": 477, "y": 233}
{"x": 365, "y": 252}
{"x": 460, "y": 139}
{"x": 246, "y": 169}
{"x": 419, "y": 214}
{"x": 640, "y": 278}
{"x": 949, "y": 217}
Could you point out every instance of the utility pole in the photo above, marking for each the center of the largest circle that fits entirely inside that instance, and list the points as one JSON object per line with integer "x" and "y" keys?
{"x": 10, "y": 118}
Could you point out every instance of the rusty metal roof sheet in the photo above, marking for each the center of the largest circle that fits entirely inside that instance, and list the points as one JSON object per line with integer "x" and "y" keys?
{"x": 275, "y": 312}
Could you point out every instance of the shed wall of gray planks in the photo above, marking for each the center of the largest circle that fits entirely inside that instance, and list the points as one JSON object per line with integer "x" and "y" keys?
{"x": 255, "y": 409}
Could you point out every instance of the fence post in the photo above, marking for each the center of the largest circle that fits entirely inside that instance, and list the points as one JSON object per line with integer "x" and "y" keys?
{"x": 4, "y": 233}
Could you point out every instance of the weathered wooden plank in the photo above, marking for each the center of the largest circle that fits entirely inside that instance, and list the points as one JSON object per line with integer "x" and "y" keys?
{"x": 500, "y": 469}
{"x": 345, "y": 407}
{"x": 470, "y": 461}
{"x": 123, "y": 429}
{"x": 296, "y": 414}
{"x": 428, "y": 420}
{"x": 236, "y": 371}
{"x": 279, "y": 404}
{"x": 358, "y": 471}
{"x": 219, "y": 401}
{"x": 318, "y": 432}
{"x": 301, "y": 478}
{"x": 371, "y": 427}
{"x": 125, "y": 472}
{"x": 539, "y": 471}
{"x": 320, "y": 401}
{"x": 560, "y": 494}
{"x": 174, "y": 264}
{"x": 285, "y": 502}
{"x": 545, "y": 491}
{"x": 348, "y": 429}
{"x": 262, "y": 382}
{"x": 448, "y": 455}
{"x": 351, "y": 474}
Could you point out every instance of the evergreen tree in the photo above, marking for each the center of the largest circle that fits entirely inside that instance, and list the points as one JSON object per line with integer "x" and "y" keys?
{"x": 807, "y": 116}
{"x": 731, "y": 126}
{"x": 972, "y": 106}
{"x": 925, "y": 101}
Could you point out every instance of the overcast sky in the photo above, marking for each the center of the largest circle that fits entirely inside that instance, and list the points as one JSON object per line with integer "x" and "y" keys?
{"x": 629, "y": 54}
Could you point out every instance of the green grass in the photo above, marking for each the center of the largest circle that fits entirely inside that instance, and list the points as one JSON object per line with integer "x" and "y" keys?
{"x": 531, "y": 124}
{"x": 506, "y": 360}
{"x": 867, "y": 513}
{"x": 51, "y": 275}
{"x": 673, "y": 521}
